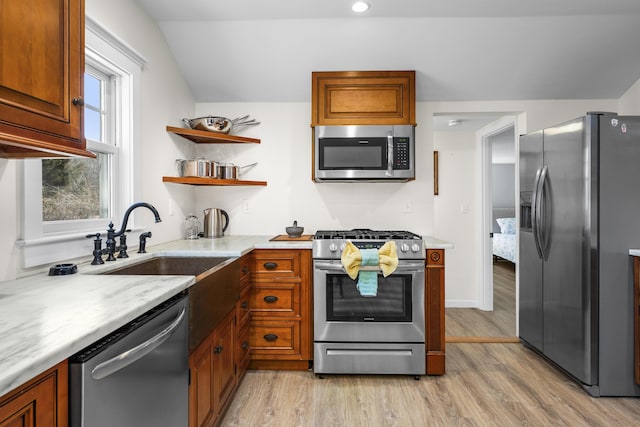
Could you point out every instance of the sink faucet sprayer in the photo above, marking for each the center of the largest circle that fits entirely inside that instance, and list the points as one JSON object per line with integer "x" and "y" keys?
{"x": 111, "y": 248}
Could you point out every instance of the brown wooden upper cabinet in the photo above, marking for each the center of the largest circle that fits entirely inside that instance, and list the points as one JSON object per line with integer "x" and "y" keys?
{"x": 363, "y": 98}
{"x": 41, "y": 78}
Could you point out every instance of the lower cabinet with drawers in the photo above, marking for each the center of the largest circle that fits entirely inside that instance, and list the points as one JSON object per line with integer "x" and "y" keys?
{"x": 281, "y": 335}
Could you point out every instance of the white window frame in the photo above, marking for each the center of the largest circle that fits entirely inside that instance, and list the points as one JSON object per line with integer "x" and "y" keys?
{"x": 47, "y": 243}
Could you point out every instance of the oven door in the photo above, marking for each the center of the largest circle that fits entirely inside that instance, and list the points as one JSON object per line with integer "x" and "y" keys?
{"x": 396, "y": 314}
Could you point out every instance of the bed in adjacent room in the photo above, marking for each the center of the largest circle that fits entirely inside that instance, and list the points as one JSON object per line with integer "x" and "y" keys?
{"x": 504, "y": 237}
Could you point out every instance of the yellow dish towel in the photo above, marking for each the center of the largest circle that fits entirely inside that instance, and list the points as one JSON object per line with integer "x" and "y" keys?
{"x": 352, "y": 259}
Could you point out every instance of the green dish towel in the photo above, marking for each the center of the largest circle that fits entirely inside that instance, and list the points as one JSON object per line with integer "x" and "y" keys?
{"x": 368, "y": 280}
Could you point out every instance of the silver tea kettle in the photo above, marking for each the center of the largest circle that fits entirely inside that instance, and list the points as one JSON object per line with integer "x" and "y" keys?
{"x": 213, "y": 224}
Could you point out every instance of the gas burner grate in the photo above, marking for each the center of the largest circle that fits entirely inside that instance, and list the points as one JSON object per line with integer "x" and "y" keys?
{"x": 365, "y": 234}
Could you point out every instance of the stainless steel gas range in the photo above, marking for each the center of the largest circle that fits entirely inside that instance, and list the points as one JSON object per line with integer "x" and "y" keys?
{"x": 355, "y": 334}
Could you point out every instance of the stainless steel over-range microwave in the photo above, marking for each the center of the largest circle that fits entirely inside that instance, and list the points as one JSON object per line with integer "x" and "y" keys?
{"x": 364, "y": 153}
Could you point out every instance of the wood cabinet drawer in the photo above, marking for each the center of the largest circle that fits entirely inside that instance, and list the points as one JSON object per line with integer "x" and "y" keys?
{"x": 243, "y": 306}
{"x": 243, "y": 348}
{"x": 275, "y": 299}
{"x": 245, "y": 271}
{"x": 276, "y": 263}
{"x": 275, "y": 337}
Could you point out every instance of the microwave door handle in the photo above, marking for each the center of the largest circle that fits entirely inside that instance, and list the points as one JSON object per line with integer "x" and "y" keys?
{"x": 389, "y": 154}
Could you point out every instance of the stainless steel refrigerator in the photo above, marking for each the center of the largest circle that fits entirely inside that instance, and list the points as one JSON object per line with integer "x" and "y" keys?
{"x": 579, "y": 216}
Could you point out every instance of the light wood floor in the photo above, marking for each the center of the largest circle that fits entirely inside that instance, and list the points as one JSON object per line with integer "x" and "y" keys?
{"x": 501, "y": 322}
{"x": 485, "y": 385}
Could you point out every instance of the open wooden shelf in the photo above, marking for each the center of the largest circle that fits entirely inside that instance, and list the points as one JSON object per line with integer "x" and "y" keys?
{"x": 193, "y": 180}
{"x": 206, "y": 137}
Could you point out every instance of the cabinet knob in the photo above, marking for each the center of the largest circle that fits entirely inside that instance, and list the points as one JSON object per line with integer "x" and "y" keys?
{"x": 245, "y": 345}
{"x": 270, "y": 265}
{"x": 244, "y": 305}
{"x": 218, "y": 349}
{"x": 77, "y": 101}
{"x": 270, "y": 337}
{"x": 245, "y": 270}
{"x": 270, "y": 299}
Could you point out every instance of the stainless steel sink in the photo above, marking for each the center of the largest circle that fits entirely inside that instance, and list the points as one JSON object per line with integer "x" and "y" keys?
{"x": 171, "y": 265}
{"x": 211, "y": 298}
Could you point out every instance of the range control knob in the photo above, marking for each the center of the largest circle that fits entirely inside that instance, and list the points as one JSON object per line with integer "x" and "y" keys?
{"x": 404, "y": 247}
{"x": 415, "y": 247}
{"x": 342, "y": 246}
{"x": 333, "y": 247}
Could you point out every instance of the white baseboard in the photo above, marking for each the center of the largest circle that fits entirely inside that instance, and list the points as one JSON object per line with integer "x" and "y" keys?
{"x": 462, "y": 303}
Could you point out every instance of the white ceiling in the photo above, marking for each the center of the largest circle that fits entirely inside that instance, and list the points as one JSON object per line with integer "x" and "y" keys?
{"x": 265, "y": 51}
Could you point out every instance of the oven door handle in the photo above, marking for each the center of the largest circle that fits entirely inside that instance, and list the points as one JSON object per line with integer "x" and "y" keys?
{"x": 404, "y": 266}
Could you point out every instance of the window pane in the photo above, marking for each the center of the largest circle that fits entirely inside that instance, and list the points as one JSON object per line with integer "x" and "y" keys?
{"x": 92, "y": 125}
{"x": 75, "y": 188}
{"x": 92, "y": 91}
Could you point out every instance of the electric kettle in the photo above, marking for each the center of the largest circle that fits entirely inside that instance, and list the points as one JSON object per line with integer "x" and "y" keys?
{"x": 213, "y": 224}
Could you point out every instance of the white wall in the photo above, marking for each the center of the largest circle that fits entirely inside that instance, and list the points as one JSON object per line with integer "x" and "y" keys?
{"x": 455, "y": 208}
{"x": 166, "y": 99}
{"x": 284, "y": 157}
{"x": 630, "y": 102}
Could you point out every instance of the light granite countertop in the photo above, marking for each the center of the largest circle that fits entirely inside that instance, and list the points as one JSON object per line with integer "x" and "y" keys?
{"x": 46, "y": 319}
{"x": 634, "y": 252}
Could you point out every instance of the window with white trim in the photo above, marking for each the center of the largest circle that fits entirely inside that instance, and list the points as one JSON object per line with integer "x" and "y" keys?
{"x": 77, "y": 192}
{"x": 67, "y": 199}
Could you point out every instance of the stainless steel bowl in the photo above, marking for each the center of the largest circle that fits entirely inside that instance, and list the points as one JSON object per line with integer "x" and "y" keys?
{"x": 219, "y": 124}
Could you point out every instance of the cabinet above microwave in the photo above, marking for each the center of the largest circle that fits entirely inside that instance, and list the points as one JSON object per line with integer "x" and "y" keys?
{"x": 363, "y": 98}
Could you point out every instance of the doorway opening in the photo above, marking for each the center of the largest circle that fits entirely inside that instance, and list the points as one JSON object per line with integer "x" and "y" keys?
{"x": 488, "y": 313}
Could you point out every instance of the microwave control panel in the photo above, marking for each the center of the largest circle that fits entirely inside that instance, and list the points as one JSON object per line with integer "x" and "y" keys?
{"x": 401, "y": 153}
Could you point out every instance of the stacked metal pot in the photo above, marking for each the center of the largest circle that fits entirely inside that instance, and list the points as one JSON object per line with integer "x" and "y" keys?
{"x": 203, "y": 168}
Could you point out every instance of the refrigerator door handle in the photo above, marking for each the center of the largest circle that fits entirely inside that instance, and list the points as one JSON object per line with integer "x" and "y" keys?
{"x": 542, "y": 221}
{"x": 534, "y": 212}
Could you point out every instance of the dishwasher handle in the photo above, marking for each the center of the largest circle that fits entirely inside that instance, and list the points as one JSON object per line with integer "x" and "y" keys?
{"x": 126, "y": 358}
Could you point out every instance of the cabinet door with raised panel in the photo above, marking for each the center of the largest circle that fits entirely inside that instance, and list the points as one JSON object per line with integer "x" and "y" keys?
{"x": 42, "y": 402}
{"x": 363, "y": 98}
{"x": 41, "y": 75}
{"x": 224, "y": 377}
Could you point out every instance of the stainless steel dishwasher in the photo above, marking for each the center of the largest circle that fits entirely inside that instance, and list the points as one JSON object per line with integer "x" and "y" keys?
{"x": 138, "y": 375}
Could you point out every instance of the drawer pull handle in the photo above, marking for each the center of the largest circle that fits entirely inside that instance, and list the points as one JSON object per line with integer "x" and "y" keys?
{"x": 245, "y": 345}
{"x": 270, "y": 265}
{"x": 245, "y": 270}
{"x": 244, "y": 305}
{"x": 218, "y": 349}
{"x": 270, "y": 337}
{"x": 270, "y": 299}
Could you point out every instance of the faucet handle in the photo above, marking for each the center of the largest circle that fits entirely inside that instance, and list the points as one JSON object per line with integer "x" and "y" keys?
{"x": 97, "y": 249}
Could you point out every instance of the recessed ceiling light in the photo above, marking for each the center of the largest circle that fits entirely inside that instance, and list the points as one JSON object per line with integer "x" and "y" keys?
{"x": 360, "y": 7}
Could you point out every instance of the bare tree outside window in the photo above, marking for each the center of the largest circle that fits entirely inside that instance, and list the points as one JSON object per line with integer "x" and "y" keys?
{"x": 77, "y": 188}
{"x": 71, "y": 189}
